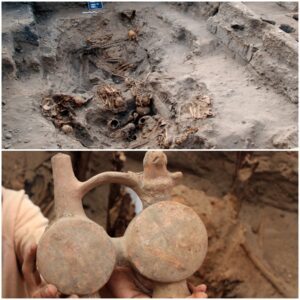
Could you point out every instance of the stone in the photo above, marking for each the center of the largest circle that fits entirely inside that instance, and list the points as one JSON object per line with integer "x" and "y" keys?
{"x": 287, "y": 28}
{"x": 67, "y": 129}
{"x": 8, "y": 136}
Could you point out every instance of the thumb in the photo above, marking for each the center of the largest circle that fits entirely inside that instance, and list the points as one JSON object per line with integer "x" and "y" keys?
{"x": 47, "y": 291}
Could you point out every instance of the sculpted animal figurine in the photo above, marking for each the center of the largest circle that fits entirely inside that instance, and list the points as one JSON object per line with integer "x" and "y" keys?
{"x": 165, "y": 243}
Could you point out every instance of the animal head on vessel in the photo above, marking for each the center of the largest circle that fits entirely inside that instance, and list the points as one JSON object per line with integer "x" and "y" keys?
{"x": 155, "y": 164}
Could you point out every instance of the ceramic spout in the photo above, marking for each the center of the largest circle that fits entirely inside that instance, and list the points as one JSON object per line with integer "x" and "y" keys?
{"x": 67, "y": 194}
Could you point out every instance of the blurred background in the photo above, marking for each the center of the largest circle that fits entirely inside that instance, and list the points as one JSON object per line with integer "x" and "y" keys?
{"x": 247, "y": 200}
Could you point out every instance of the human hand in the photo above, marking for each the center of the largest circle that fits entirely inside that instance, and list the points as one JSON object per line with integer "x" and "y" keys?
{"x": 35, "y": 286}
{"x": 198, "y": 291}
{"x": 124, "y": 284}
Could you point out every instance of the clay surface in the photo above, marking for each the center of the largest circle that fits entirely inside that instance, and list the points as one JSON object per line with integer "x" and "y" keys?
{"x": 73, "y": 242}
{"x": 76, "y": 256}
{"x": 167, "y": 242}
{"x": 152, "y": 185}
{"x": 169, "y": 290}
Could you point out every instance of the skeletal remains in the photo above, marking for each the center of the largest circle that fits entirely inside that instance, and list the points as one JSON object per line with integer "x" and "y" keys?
{"x": 124, "y": 100}
{"x": 166, "y": 243}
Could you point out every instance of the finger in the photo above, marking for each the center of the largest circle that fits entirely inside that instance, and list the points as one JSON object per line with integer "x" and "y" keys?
{"x": 200, "y": 288}
{"x": 28, "y": 267}
{"x": 35, "y": 272}
{"x": 198, "y": 295}
{"x": 47, "y": 291}
{"x": 52, "y": 291}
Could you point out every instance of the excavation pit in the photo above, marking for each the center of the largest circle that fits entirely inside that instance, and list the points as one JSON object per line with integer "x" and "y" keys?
{"x": 149, "y": 75}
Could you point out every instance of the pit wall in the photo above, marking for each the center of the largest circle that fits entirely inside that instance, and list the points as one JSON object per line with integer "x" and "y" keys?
{"x": 270, "y": 52}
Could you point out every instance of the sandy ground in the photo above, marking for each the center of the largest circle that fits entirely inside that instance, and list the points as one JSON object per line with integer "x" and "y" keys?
{"x": 181, "y": 66}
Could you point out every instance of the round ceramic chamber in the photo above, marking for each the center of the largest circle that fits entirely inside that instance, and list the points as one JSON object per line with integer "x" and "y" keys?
{"x": 76, "y": 255}
{"x": 167, "y": 242}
